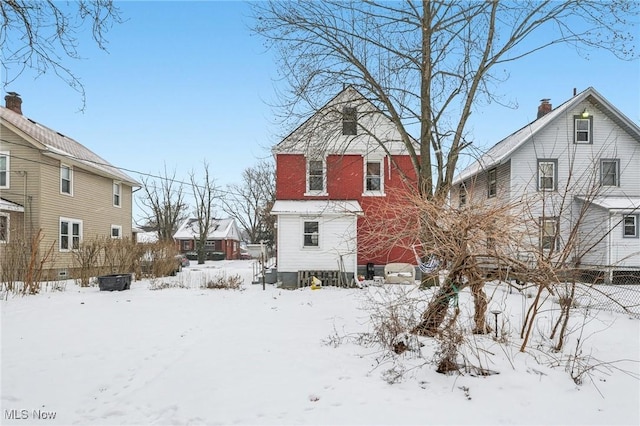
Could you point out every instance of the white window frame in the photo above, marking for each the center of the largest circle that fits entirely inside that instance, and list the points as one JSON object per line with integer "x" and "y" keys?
{"x": 6, "y": 230}
{"x": 349, "y": 120}
{"x": 556, "y": 227}
{"x": 376, "y": 192}
{"x": 553, "y": 177}
{"x": 576, "y": 131}
{"x": 70, "y": 236}
{"x": 634, "y": 218}
{"x": 7, "y": 169}
{"x": 462, "y": 195}
{"x": 116, "y": 228}
{"x": 492, "y": 184}
{"x": 311, "y": 246}
{"x": 117, "y": 194}
{"x": 66, "y": 167}
{"x": 616, "y": 162}
{"x": 322, "y": 191}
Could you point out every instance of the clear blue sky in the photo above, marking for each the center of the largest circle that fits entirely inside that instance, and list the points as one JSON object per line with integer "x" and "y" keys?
{"x": 185, "y": 82}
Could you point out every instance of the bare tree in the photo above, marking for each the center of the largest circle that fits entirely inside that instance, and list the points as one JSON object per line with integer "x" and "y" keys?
{"x": 164, "y": 204}
{"x": 251, "y": 201}
{"x": 38, "y": 35}
{"x": 428, "y": 63}
{"x": 204, "y": 194}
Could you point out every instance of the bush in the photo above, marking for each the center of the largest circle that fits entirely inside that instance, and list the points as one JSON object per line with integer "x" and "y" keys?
{"x": 223, "y": 282}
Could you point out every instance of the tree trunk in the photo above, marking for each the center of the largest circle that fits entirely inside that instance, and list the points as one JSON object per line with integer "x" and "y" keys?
{"x": 437, "y": 310}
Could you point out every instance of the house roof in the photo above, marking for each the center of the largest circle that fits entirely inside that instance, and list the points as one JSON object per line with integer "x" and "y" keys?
{"x": 6, "y": 205}
{"x": 57, "y": 144}
{"x": 316, "y": 207}
{"x": 614, "y": 203}
{"x": 507, "y": 146}
{"x": 221, "y": 229}
{"x": 305, "y": 137}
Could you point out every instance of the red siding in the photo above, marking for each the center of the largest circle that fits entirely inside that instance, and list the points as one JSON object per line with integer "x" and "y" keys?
{"x": 345, "y": 181}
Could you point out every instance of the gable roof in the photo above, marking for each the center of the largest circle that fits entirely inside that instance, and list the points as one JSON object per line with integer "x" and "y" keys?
{"x": 221, "y": 229}
{"x": 507, "y": 146}
{"x": 57, "y": 144}
{"x": 300, "y": 140}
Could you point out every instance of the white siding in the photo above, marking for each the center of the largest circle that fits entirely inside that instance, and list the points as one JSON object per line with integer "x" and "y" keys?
{"x": 624, "y": 252}
{"x": 578, "y": 174}
{"x": 337, "y": 236}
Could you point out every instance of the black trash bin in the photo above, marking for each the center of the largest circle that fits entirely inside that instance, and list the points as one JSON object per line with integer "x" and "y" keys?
{"x": 370, "y": 271}
{"x": 114, "y": 282}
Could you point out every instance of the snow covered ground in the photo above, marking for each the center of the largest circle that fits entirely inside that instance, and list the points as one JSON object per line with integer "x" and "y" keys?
{"x": 253, "y": 357}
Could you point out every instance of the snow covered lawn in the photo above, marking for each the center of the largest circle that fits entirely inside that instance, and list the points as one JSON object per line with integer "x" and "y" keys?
{"x": 253, "y": 357}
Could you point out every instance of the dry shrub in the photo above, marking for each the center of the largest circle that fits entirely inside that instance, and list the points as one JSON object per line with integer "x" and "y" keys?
{"x": 156, "y": 259}
{"x": 13, "y": 265}
{"x": 24, "y": 265}
{"x": 86, "y": 260}
{"x": 224, "y": 282}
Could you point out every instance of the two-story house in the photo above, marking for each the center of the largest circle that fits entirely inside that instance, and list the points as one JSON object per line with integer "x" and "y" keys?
{"x": 332, "y": 172}
{"x": 577, "y": 170}
{"x": 51, "y": 184}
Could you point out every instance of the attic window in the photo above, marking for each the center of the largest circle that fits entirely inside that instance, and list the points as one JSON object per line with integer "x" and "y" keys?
{"x": 583, "y": 129}
{"x": 349, "y": 120}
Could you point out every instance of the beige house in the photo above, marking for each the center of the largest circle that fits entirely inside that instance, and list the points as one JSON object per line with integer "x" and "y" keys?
{"x": 51, "y": 184}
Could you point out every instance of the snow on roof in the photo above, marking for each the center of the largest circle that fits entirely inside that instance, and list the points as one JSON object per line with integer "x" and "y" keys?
{"x": 614, "y": 203}
{"x": 503, "y": 149}
{"x": 57, "y": 143}
{"x": 147, "y": 237}
{"x": 7, "y": 205}
{"x": 316, "y": 207}
{"x": 221, "y": 229}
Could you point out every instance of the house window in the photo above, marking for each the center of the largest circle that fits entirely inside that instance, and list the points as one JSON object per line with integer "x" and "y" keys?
{"x": 374, "y": 176}
{"x": 315, "y": 176}
{"x": 610, "y": 172}
{"x": 462, "y": 195}
{"x": 70, "y": 234}
{"x": 630, "y": 226}
{"x": 311, "y": 233}
{"x": 349, "y": 120}
{"x": 116, "y": 193}
{"x": 548, "y": 233}
{"x": 547, "y": 175}
{"x": 4, "y": 227}
{"x": 492, "y": 182}
{"x": 582, "y": 129}
{"x": 4, "y": 170}
{"x": 116, "y": 231}
{"x": 66, "y": 180}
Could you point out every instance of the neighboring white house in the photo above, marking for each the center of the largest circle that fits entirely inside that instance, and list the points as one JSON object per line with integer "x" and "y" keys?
{"x": 223, "y": 237}
{"x": 585, "y": 154}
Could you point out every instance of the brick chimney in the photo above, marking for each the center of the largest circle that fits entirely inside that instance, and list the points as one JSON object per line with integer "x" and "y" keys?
{"x": 13, "y": 102}
{"x": 544, "y": 108}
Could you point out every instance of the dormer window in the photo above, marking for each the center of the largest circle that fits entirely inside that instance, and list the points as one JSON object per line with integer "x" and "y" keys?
{"x": 349, "y": 120}
{"x": 583, "y": 129}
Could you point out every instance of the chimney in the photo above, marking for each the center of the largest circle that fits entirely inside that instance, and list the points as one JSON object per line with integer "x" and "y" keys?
{"x": 13, "y": 102}
{"x": 544, "y": 108}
